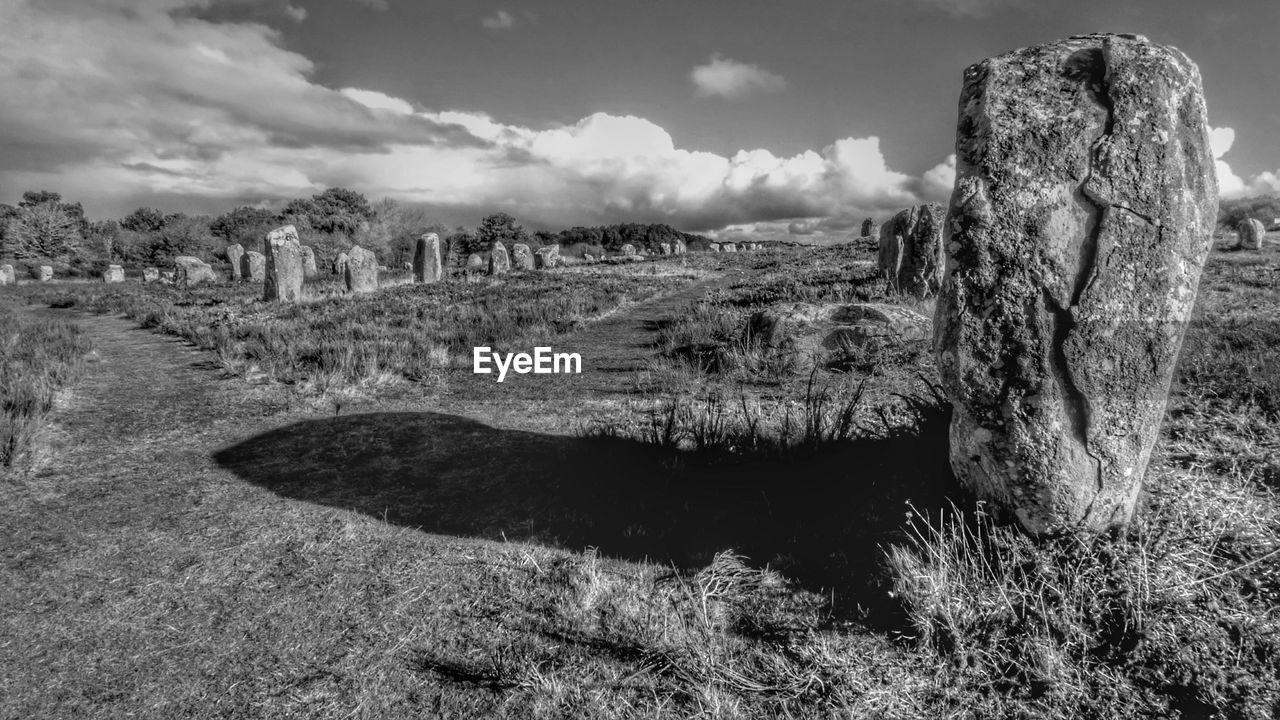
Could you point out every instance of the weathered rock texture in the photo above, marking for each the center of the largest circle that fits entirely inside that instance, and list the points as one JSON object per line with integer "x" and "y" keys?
{"x": 284, "y": 273}
{"x": 521, "y": 257}
{"x": 235, "y": 253}
{"x": 1082, "y": 214}
{"x": 360, "y": 270}
{"x": 150, "y": 274}
{"x": 188, "y": 271}
{"x": 499, "y": 260}
{"x": 7, "y": 276}
{"x": 1250, "y": 233}
{"x": 868, "y": 227}
{"x": 113, "y": 274}
{"x": 253, "y": 266}
{"x": 911, "y": 255}
{"x": 546, "y": 257}
{"x": 426, "y": 259}
{"x": 309, "y": 269}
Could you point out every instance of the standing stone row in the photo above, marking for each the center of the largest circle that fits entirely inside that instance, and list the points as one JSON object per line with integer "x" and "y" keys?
{"x": 1082, "y": 214}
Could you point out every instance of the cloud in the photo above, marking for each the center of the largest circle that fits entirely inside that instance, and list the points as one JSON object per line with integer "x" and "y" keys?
{"x": 1231, "y": 185}
{"x": 379, "y": 5}
{"x": 732, "y": 79}
{"x": 161, "y": 108}
{"x": 297, "y": 14}
{"x": 970, "y": 8}
{"x": 937, "y": 182}
{"x": 501, "y": 20}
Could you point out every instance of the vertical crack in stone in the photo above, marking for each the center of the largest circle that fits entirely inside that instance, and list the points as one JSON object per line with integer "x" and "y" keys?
{"x": 1091, "y": 68}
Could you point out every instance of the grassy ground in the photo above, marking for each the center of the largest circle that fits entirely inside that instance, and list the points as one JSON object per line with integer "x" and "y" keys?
{"x": 781, "y": 544}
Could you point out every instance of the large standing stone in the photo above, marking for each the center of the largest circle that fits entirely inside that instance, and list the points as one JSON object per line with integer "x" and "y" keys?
{"x": 235, "y": 254}
{"x": 1083, "y": 211}
{"x": 521, "y": 257}
{"x": 868, "y": 227}
{"x": 150, "y": 274}
{"x": 113, "y": 274}
{"x": 43, "y": 273}
{"x": 253, "y": 266}
{"x": 499, "y": 261}
{"x": 547, "y": 256}
{"x": 426, "y": 259}
{"x": 1250, "y": 233}
{"x": 361, "y": 270}
{"x": 283, "y": 282}
{"x": 188, "y": 271}
{"x": 7, "y": 276}
{"x": 911, "y": 255}
{"x": 309, "y": 269}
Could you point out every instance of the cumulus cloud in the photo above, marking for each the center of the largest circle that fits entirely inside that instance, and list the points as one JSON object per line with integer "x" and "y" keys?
{"x": 729, "y": 78}
{"x": 296, "y": 14}
{"x": 156, "y": 106}
{"x": 501, "y": 20}
{"x": 1231, "y": 185}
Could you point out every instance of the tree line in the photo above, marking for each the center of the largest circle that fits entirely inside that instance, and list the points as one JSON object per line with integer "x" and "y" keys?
{"x": 42, "y": 228}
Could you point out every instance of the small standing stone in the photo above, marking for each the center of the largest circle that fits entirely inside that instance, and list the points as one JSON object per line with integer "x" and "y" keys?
{"x": 868, "y": 227}
{"x": 714, "y": 247}
{"x": 628, "y": 250}
{"x": 340, "y": 265}
{"x": 253, "y": 266}
{"x": 728, "y": 247}
{"x": 6, "y": 275}
{"x": 499, "y": 260}
{"x": 283, "y": 280}
{"x": 1250, "y": 233}
{"x": 309, "y": 269}
{"x": 426, "y": 259}
{"x": 150, "y": 274}
{"x": 361, "y": 270}
{"x": 679, "y": 248}
{"x": 521, "y": 257}
{"x": 546, "y": 257}
{"x": 44, "y": 273}
{"x": 235, "y": 254}
{"x": 664, "y": 248}
{"x": 475, "y": 263}
{"x": 189, "y": 271}
{"x": 113, "y": 274}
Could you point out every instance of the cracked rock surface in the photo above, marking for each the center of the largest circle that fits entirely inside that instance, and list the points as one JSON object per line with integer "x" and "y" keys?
{"x": 1082, "y": 214}
{"x": 911, "y": 256}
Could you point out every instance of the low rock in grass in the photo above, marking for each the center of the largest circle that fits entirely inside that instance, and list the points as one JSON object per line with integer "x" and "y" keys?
{"x": 829, "y": 331}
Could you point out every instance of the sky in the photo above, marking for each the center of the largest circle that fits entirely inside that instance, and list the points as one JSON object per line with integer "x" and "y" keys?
{"x": 731, "y": 117}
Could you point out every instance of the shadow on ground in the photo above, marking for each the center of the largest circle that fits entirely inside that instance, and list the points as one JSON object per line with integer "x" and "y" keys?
{"x": 820, "y": 517}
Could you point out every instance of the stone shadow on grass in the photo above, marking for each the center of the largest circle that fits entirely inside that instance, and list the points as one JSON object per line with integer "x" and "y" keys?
{"x": 821, "y": 517}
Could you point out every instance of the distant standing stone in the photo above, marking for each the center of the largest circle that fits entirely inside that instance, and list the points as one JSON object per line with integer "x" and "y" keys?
{"x": 547, "y": 256}
{"x": 714, "y": 247}
{"x": 283, "y": 281}
{"x": 475, "y": 263}
{"x": 868, "y": 227}
{"x": 679, "y": 247}
{"x": 1083, "y": 210}
{"x": 113, "y": 274}
{"x": 309, "y": 269}
{"x": 1250, "y": 233}
{"x": 340, "y": 265}
{"x": 361, "y": 270}
{"x": 235, "y": 254}
{"x": 150, "y": 274}
{"x": 7, "y": 276}
{"x": 253, "y": 266}
{"x": 728, "y": 247}
{"x": 426, "y": 259}
{"x": 628, "y": 250}
{"x": 44, "y": 273}
{"x": 499, "y": 261}
{"x": 521, "y": 257}
{"x": 189, "y": 271}
{"x": 664, "y": 248}
{"x": 911, "y": 256}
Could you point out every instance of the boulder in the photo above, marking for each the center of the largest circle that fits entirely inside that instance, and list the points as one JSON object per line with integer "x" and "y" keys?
{"x": 547, "y": 256}
{"x": 499, "y": 260}
{"x": 911, "y": 255}
{"x": 113, "y": 274}
{"x": 189, "y": 271}
{"x": 1250, "y": 233}
{"x": 475, "y": 263}
{"x": 284, "y": 267}
{"x": 309, "y": 269}
{"x": 7, "y": 277}
{"x": 628, "y": 250}
{"x": 868, "y": 227}
{"x": 426, "y": 259}
{"x": 1083, "y": 210}
{"x": 42, "y": 273}
{"x": 826, "y": 332}
{"x": 521, "y": 257}
{"x": 253, "y": 266}
{"x": 361, "y": 270}
{"x": 150, "y": 274}
{"x": 235, "y": 253}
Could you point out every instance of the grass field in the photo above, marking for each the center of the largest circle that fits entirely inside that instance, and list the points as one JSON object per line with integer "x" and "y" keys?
{"x": 749, "y": 540}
